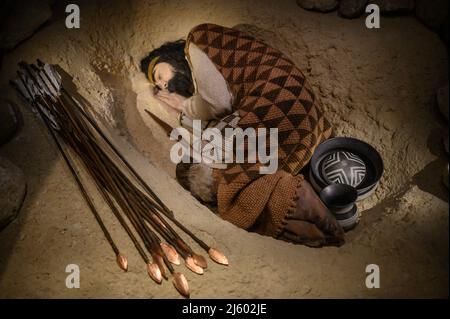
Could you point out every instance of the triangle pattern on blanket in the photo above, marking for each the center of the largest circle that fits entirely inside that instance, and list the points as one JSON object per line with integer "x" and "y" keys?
{"x": 270, "y": 89}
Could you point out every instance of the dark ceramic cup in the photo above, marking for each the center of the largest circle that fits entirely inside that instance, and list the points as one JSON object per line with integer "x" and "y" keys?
{"x": 340, "y": 200}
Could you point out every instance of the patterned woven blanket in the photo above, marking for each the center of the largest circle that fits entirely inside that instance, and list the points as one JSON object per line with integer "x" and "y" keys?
{"x": 269, "y": 92}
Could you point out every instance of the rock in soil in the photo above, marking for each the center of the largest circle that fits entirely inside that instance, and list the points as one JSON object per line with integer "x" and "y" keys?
{"x": 394, "y": 6}
{"x": 352, "y": 8}
{"x": 442, "y": 100}
{"x": 432, "y": 13}
{"x": 12, "y": 191}
{"x": 22, "y": 19}
{"x": 10, "y": 120}
{"x": 445, "y": 176}
{"x": 318, "y": 5}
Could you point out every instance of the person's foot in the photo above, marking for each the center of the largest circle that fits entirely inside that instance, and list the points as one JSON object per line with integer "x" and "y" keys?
{"x": 312, "y": 223}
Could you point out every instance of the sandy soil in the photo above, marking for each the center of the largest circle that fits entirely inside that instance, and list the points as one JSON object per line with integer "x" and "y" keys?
{"x": 377, "y": 85}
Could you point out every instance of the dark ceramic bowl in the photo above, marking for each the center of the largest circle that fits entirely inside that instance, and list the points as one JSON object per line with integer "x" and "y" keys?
{"x": 348, "y": 220}
{"x": 352, "y": 152}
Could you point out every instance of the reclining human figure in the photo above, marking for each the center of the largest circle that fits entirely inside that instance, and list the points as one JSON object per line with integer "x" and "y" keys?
{"x": 226, "y": 78}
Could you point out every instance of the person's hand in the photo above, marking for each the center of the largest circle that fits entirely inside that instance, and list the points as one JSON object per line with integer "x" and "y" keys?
{"x": 173, "y": 100}
{"x": 312, "y": 223}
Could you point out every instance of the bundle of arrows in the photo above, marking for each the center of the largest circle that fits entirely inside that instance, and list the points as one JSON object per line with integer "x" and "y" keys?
{"x": 148, "y": 222}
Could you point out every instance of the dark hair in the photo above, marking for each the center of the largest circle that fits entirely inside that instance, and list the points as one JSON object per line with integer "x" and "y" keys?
{"x": 173, "y": 53}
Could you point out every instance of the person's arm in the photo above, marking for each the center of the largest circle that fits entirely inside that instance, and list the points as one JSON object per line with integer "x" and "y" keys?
{"x": 212, "y": 99}
{"x": 197, "y": 108}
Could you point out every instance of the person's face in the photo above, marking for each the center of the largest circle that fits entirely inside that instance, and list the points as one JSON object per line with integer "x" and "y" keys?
{"x": 162, "y": 73}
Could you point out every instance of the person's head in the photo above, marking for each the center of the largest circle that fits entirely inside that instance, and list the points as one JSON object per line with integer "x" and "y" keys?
{"x": 167, "y": 68}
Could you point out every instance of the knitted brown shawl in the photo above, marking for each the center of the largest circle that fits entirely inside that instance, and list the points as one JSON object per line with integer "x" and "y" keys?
{"x": 269, "y": 91}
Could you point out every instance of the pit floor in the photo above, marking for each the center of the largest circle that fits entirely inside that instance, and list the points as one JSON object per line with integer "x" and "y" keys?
{"x": 377, "y": 86}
